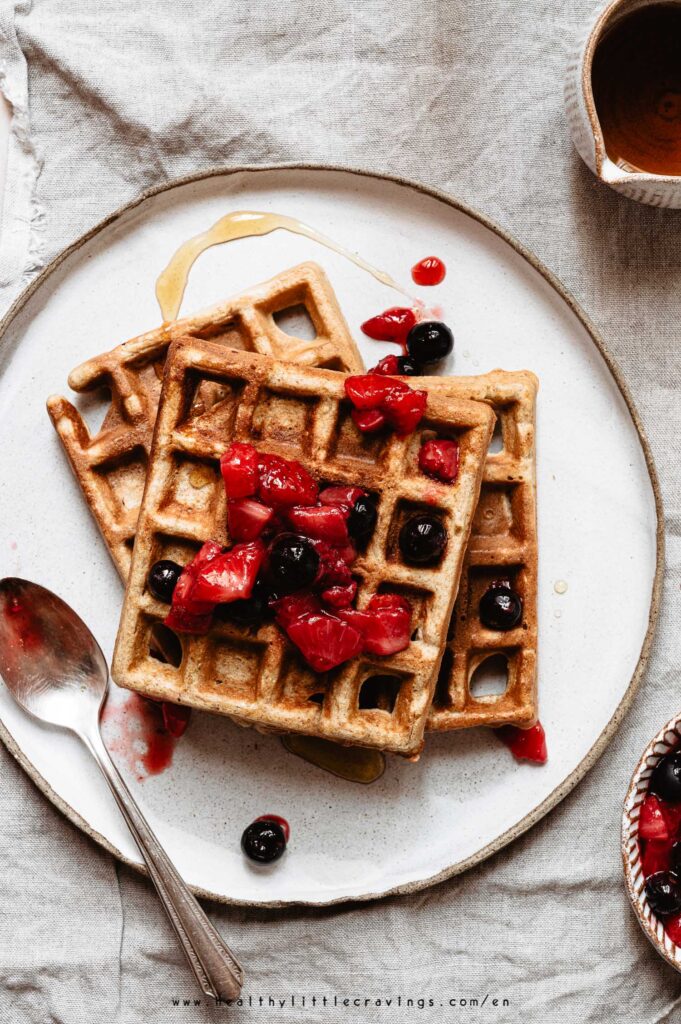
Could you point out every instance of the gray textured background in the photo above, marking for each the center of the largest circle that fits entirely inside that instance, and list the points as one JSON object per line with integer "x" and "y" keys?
{"x": 466, "y": 96}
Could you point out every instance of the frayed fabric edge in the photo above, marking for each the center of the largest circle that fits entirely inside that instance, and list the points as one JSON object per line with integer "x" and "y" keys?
{"x": 22, "y": 228}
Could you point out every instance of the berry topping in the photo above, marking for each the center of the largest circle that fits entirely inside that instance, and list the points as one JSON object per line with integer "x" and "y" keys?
{"x": 429, "y": 342}
{"x": 368, "y": 420}
{"x": 277, "y": 820}
{"x": 501, "y": 608}
{"x": 326, "y": 522}
{"x": 428, "y": 271}
{"x": 408, "y": 367}
{"x": 344, "y": 497}
{"x": 264, "y": 840}
{"x": 385, "y": 625}
{"x": 231, "y": 576}
{"x": 284, "y": 482}
{"x": 162, "y": 579}
{"x": 293, "y": 563}
{"x": 362, "y": 519}
{"x": 249, "y": 611}
{"x": 440, "y": 459}
{"x": 188, "y": 614}
{"x": 247, "y": 518}
{"x": 423, "y": 540}
{"x": 675, "y": 858}
{"x": 239, "y": 467}
{"x": 652, "y": 823}
{"x": 655, "y": 857}
{"x": 665, "y": 780}
{"x": 525, "y": 744}
{"x": 392, "y": 325}
{"x": 396, "y": 366}
{"x": 175, "y": 718}
{"x": 401, "y": 406}
{"x": 324, "y": 640}
{"x": 295, "y": 606}
{"x": 663, "y": 893}
{"x": 672, "y": 926}
{"x": 340, "y": 595}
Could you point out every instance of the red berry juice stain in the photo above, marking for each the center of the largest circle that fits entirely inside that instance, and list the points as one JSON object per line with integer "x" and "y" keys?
{"x": 429, "y": 271}
{"x": 26, "y": 632}
{"x": 135, "y": 734}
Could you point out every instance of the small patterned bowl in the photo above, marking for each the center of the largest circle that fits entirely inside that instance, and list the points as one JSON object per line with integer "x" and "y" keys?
{"x": 667, "y": 739}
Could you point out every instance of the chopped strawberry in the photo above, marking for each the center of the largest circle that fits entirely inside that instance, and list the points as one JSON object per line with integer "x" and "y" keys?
{"x": 368, "y": 390}
{"x": 239, "y": 467}
{"x": 652, "y": 823}
{"x": 324, "y": 640}
{"x": 284, "y": 482}
{"x": 187, "y": 613}
{"x": 392, "y": 325}
{"x": 293, "y": 606}
{"x": 175, "y": 718}
{"x": 368, "y": 420}
{"x": 344, "y": 497}
{"x": 440, "y": 459}
{"x": 334, "y": 562}
{"x": 360, "y": 620}
{"x": 404, "y": 409}
{"x": 672, "y": 926}
{"x": 388, "y": 366}
{"x": 231, "y": 576}
{"x": 385, "y": 625}
{"x": 247, "y": 518}
{"x": 340, "y": 595}
{"x": 326, "y": 522}
{"x": 655, "y": 856}
{"x": 525, "y": 744}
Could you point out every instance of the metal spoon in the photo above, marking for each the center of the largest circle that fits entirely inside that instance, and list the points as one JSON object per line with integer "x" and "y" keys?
{"x": 54, "y": 668}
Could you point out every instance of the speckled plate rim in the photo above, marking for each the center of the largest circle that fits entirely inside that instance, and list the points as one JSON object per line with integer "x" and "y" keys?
{"x": 667, "y": 739}
{"x": 587, "y": 762}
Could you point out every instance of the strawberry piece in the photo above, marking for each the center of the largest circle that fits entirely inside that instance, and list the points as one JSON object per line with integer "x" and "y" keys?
{"x": 672, "y": 926}
{"x": 292, "y": 607}
{"x": 340, "y": 595}
{"x": 392, "y": 325}
{"x": 231, "y": 576}
{"x": 344, "y": 497}
{"x": 428, "y": 271}
{"x": 239, "y": 468}
{"x": 652, "y": 823}
{"x": 324, "y": 640}
{"x": 175, "y": 718}
{"x": 389, "y": 366}
{"x": 368, "y": 420}
{"x": 334, "y": 562}
{"x": 360, "y": 620}
{"x": 247, "y": 518}
{"x": 525, "y": 744}
{"x": 404, "y": 409}
{"x": 440, "y": 459}
{"x": 385, "y": 625}
{"x": 325, "y": 522}
{"x": 187, "y": 614}
{"x": 655, "y": 856}
{"x": 368, "y": 390}
{"x": 284, "y": 482}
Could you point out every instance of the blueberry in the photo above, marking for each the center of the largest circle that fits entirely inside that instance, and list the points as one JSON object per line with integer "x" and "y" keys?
{"x": 422, "y": 540}
{"x": 249, "y": 611}
{"x": 362, "y": 520}
{"x": 263, "y": 841}
{"x": 408, "y": 367}
{"x": 666, "y": 778}
{"x": 501, "y": 608}
{"x": 663, "y": 893}
{"x": 675, "y": 858}
{"x": 429, "y": 342}
{"x": 293, "y": 563}
{"x": 162, "y": 579}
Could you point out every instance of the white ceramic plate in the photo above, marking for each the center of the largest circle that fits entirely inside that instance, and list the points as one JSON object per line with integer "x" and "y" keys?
{"x": 598, "y": 525}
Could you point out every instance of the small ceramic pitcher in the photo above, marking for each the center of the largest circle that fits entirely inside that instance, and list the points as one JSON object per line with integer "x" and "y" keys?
{"x": 655, "y": 189}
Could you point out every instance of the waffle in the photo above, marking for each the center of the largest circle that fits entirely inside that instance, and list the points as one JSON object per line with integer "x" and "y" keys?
{"x": 503, "y": 545}
{"x": 258, "y": 678}
{"x": 111, "y": 465}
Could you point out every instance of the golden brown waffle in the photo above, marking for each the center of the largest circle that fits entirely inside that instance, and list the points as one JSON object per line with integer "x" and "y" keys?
{"x": 111, "y": 465}
{"x": 503, "y": 545}
{"x": 296, "y": 412}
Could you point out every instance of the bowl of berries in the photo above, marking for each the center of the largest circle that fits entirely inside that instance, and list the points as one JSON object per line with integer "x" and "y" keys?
{"x": 651, "y": 842}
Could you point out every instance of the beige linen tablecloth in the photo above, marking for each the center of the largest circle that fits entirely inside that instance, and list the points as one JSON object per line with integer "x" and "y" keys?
{"x": 113, "y": 97}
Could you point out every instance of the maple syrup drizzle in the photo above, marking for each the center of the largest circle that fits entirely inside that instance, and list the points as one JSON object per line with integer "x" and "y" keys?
{"x": 172, "y": 281}
{"x": 355, "y": 764}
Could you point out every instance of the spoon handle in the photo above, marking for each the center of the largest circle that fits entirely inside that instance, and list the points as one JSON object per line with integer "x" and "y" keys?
{"x": 217, "y": 970}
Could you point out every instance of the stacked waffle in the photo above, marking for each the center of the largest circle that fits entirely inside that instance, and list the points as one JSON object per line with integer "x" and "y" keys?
{"x": 181, "y": 395}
